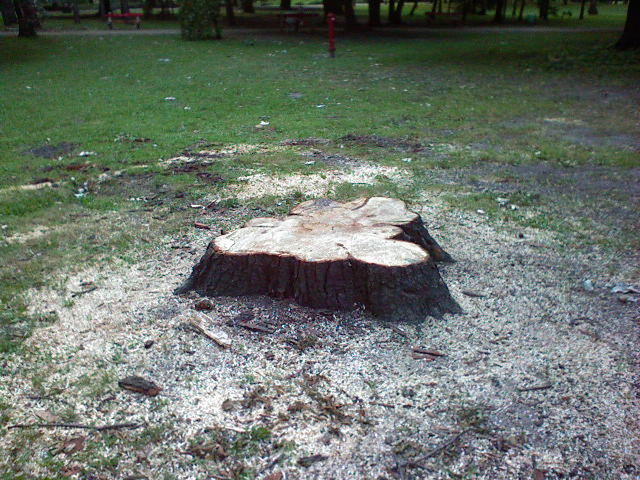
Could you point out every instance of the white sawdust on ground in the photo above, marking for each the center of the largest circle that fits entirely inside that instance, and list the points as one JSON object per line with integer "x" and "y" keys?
{"x": 316, "y": 184}
{"x": 535, "y": 326}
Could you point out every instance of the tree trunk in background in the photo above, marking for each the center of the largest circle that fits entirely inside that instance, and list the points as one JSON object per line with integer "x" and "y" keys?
{"x": 395, "y": 12}
{"x": 8, "y": 10}
{"x": 105, "y": 7}
{"x": 544, "y": 10}
{"x": 332, "y": 6}
{"x": 499, "y": 17}
{"x": 27, "y": 18}
{"x": 285, "y": 4}
{"x": 247, "y": 6}
{"x": 521, "y": 12}
{"x": 147, "y": 9}
{"x": 231, "y": 18}
{"x": 582, "y": 4}
{"x": 631, "y": 35}
{"x": 593, "y": 7}
{"x": 350, "y": 15}
{"x": 76, "y": 12}
{"x": 465, "y": 10}
{"x": 374, "y": 13}
{"x": 124, "y": 6}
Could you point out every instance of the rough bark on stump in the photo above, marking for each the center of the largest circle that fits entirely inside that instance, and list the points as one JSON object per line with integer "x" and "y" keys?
{"x": 326, "y": 254}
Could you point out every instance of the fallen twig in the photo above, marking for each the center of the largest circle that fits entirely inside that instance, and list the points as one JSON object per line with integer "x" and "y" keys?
{"x": 544, "y": 386}
{"x": 469, "y": 293}
{"x": 102, "y": 428}
{"x": 201, "y": 226}
{"x": 442, "y": 447}
{"x": 82, "y": 292}
{"x": 425, "y": 351}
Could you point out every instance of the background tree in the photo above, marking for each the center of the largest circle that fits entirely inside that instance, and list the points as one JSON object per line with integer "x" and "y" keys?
{"x": 8, "y": 12}
{"x": 374, "y": 13}
{"x": 199, "y": 19}
{"x": 499, "y": 16}
{"x": 631, "y": 35}
{"x": 395, "y": 11}
{"x": 27, "y": 14}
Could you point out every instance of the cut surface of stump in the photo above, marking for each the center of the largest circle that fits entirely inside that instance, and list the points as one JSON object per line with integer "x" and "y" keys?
{"x": 372, "y": 252}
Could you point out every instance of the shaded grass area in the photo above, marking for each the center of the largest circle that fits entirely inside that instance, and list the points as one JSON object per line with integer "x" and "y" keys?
{"x": 465, "y": 99}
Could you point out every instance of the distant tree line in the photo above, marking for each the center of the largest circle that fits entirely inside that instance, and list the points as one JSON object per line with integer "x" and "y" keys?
{"x": 195, "y": 13}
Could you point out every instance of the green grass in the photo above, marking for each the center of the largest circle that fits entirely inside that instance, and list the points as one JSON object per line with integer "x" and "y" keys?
{"x": 473, "y": 98}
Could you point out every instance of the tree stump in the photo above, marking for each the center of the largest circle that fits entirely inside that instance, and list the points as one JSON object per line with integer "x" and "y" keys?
{"x": 325, "y": 254}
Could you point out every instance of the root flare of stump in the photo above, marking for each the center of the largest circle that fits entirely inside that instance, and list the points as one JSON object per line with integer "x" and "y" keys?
{"x": 372, "y": 252}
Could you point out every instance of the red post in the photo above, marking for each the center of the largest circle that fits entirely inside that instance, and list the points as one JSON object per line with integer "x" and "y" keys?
{"x": 331, "y": 20}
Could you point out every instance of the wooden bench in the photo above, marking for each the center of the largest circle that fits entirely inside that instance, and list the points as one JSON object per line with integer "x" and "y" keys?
{"x": 126, "y": 17}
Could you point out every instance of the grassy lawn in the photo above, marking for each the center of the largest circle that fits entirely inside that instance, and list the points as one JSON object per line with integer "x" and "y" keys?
{"x": 495, "y": 98}
{"x": 485, "y": 110}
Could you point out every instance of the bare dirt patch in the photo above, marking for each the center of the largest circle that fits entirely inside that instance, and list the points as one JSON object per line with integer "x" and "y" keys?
{"x": 52, "y": 151}
{"x": 537, "y": 375}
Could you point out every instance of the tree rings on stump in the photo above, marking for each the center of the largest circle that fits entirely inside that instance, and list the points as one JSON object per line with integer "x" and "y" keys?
{"x": 372, "y": 252}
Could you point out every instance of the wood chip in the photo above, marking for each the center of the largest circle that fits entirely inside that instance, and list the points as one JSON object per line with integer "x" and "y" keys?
{"x": 274, "y": 476}
{"x": 201, "y": 226}
{"x": 204, "y": 304}
{"x": 140, "y": 385}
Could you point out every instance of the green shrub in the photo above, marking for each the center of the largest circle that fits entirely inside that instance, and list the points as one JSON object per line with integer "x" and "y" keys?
{"x": 199, "y": 19}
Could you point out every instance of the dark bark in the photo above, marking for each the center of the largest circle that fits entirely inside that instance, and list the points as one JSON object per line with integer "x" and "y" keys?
{"x": 76, "y": 12}
{"x": 499, "y": 16}
{"x": 521, "y": 12}
{"x": 8, "y": 10}
{"x": 27, "y": 18}
{"x": 544, "y": 10}
{"x": 349, "y": 15}
{"x": 285, "y": 4}
{"x": 374, "y": 13}
{"x": 333, "y": 6}
{"x": 231, "y": 17}
{"x": 593, "y": 7}
{"x": 581, "y": 17}
{"x": 105, "y": 7}
{"x": 247, "y": 6}
{"x": 631, "y": 35}
{"x": 148, "y": 7}
{"x": 395, "y": 12}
